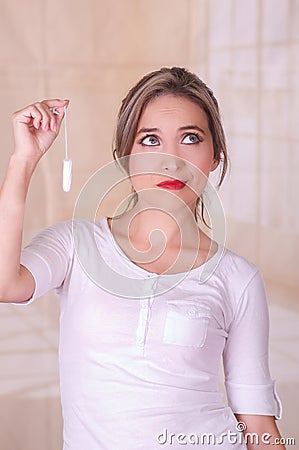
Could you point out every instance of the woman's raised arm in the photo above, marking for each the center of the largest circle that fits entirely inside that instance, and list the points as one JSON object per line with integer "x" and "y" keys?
{"x": 35, "y": 129}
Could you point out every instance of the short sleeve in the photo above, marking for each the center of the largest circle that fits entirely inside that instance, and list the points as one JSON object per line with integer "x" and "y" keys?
{"x": 249, "y": 387}
{"x": 48, "y": 257}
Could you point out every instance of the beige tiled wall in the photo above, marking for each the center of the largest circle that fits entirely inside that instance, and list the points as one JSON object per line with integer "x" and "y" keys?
{"x": 250, "y": 56}
{"x": 91, "y": 52}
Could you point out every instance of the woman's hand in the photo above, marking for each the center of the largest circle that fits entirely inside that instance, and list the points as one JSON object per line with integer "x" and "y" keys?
{"x": 36, "y": 127}
{"x": 261, "y": 432}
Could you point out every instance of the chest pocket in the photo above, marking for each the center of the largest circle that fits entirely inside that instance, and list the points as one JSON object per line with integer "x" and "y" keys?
{"x": 186, "y": 323}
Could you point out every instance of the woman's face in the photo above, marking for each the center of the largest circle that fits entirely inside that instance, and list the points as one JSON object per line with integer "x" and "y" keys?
{"x": 172, "y": 151}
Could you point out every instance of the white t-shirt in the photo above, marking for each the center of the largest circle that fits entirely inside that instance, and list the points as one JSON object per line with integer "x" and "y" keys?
{"x": 139, "y": 353}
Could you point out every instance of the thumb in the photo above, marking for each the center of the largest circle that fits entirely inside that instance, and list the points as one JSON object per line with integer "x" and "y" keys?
{"x": 58, "y": 109}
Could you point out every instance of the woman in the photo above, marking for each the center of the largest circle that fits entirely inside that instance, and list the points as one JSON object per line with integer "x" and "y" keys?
{"x": 150, "y": 304}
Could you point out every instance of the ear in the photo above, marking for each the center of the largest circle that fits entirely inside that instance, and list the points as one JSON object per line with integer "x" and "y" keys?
{"x": 214, "y": 165}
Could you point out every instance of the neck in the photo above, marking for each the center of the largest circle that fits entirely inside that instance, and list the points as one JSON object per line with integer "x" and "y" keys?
{"x": 160, "y": 242}
{"x": 157, "y": 226}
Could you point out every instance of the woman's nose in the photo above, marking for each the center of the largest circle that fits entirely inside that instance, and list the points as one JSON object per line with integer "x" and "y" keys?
{"x": 170, "y": 163}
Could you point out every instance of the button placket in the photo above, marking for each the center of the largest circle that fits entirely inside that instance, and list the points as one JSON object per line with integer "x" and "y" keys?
{"x": 145, "y": 312}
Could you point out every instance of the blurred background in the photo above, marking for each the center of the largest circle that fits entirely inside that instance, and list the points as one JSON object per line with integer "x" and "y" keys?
{"x": 92, "y": 52}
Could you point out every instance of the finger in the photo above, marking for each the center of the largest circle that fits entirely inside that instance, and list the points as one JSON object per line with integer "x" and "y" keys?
{"x": 57, "y": 112}
{"x": 35, "y": 115}
{"x": 46, "y": 115}
{"x": 30, "y": 116}
{"x": 58, "y": 103}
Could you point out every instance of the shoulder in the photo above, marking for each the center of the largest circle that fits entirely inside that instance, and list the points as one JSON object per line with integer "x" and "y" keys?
{"x": 72, "y": 226}
{"x": 87, "y": 230}
{"x": 59, "y": 231}
{"x": 68, "y": 233}
{"x": 237, "y": 274}
{"x": 233, "y": 265}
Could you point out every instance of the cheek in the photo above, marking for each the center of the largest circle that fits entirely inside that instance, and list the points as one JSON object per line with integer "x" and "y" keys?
{"x": 136, "y": 165}
{"x": 141, "y": 181}
{"x": 203, "y": 163}
{"x": 140, "y": 164}
{"x": 199, "y": 178}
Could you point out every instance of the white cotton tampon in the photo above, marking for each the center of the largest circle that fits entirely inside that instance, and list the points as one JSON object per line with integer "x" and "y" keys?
{"x": 67, "y": 163}
{"x": 67, "y": 175}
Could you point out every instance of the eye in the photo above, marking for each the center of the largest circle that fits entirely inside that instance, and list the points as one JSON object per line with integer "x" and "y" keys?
{"x": 149, "y": 140}
{"x": 191, "y": 138}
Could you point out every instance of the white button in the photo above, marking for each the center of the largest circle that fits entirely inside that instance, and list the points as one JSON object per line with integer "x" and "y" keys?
{"x": 192, "y": 312}
{"x": 154, "y": 282}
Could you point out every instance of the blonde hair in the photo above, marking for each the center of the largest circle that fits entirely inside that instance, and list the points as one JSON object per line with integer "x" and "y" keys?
{"x": 179, "y": 82}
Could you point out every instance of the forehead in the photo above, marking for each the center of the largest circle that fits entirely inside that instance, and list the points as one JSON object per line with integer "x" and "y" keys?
{"x": 178, "y": 108}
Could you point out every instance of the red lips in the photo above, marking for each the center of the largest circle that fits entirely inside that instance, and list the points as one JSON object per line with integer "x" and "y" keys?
{"x": 174, "y": 185}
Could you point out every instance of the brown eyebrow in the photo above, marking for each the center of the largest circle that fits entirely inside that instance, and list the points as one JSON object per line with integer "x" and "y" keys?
{"x": 148, "y": 130}
{"x": 186, "y": 127}
{"x": 192, "y": 127}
